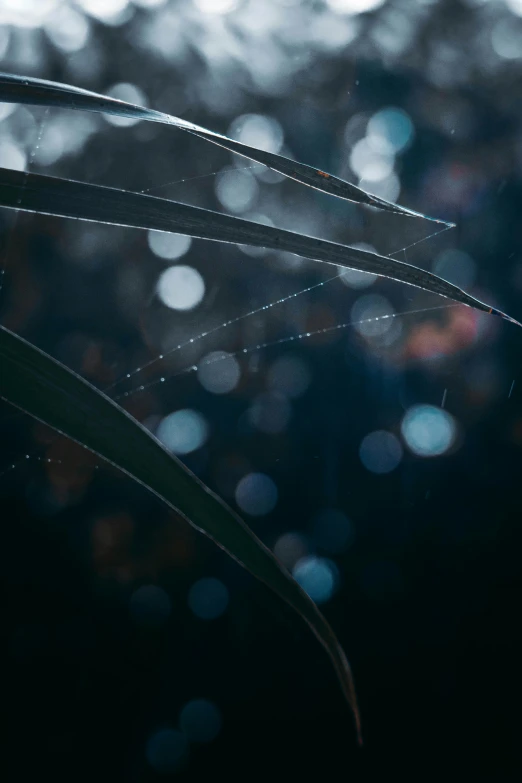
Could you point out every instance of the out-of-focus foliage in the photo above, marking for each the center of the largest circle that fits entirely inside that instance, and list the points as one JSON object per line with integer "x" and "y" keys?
{"x": 381, "y": 462}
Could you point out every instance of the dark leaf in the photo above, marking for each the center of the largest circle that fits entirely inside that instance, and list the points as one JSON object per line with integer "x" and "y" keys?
{"x": 68, "y": 198}
{"x": 39, "y": 385}
{"x": 26, "y": 89}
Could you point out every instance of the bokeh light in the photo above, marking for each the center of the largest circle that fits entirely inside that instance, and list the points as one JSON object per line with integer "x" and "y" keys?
{"x": 506, "y": 39}
{"x": 515, "y": 6}
{"x": 60, "y": 137}
{"x": 380, "y": 451}
{"x": 390, "y": 131}
{"x": 181, "y": 287}
{"x": 456, "y": 267}
{"x": 354, "y": 278}
{"x": 150, "y": 606}
{"x": 369, "y": 162}
{"x": 400, "y": 99}
{"x": 149, "y": 3}
{"x": 391, "y": 89}
{"x": 67, "y": 29}
{"x": 388, "y": 188}
{"x": 258, "y": 130}
{"x": 183, "y": 431}
{"x": 237, "y": 189}
{"x": 11, "y": 156}
{"x": 317, "y": 577}
{"x": 428, "y": 431}
{"x": 370, "y": 315}
{"x": 105, "y": 10}
{"x": 250, "y": 250}
{"x": 354, "y": 6}
{"x": 256, "y": 494}
{"x": 26, "y": 13}
{"x": 129, "y": 93}
{"x": 167, "y": 751}
{"x": 200, "y": 720}
{"x": 168, "y": 246}
{"x": 219, "y": 372}
{"x": 216, "y": 6}
{"x": 291, "y": 547}
{"x": 270, "y": 413}
{"x": 6, "y": 108}
{"x": 208, "y": 598}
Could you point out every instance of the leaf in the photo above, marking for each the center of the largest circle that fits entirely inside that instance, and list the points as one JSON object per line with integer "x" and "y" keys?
{"x": 68, "y": 198}
{"x": 26, "y": 89}
{"x": 39, "y": 385}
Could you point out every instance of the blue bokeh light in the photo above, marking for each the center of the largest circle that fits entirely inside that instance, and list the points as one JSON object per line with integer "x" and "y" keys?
{"x": 291, "y": 547}
{"x": 208, "y": 598}
{"x": 183, "y": 431}
{"x": 456, "y": 266}
{"x": 200, "y": 720}
{"x": 428, "y": 431}
{"x": 390, "y": 130}
{"x": 256, "y": 494}
{"x": 317, "y": 577}
{"x": 380, "y": 452}
{"x": 150, "y": 606}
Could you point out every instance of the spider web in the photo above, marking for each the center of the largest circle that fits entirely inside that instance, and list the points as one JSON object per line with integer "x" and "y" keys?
{"x": 134, "y": 377}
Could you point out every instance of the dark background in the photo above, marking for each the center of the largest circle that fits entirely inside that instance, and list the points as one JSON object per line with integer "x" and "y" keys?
{"x": 427, "y": 603}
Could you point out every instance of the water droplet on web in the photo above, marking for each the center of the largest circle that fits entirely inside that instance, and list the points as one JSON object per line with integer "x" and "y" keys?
{"x": 263, "y": 308}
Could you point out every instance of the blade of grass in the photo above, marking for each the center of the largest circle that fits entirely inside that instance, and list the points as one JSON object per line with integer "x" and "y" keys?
{"x": 68, "y": 198}
{"x": 28, "y": 90}
{"x": 47, "y": 390}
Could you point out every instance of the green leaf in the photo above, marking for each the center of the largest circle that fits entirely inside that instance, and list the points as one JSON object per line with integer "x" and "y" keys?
{"x": 68, "y": 198}
{"x": 26, "y": 89}
{"x": 39, "y": 385}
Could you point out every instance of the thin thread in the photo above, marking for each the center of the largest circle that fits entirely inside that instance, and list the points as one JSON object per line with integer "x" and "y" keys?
{"x": 256, "y": 311}
{"x": 280, "y": 341}
{"x": 199, "y": 176}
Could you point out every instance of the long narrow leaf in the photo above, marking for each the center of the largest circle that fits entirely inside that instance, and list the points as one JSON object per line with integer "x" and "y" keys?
{"x": 68, "y": 198}
{"x": 39, "y": 385}
{"x": 26, "y": 89}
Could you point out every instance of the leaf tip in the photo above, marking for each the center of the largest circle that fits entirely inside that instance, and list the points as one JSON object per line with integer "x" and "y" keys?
{"x": 506, "y": 317}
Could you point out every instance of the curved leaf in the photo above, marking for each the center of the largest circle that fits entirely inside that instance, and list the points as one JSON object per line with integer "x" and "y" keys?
{"x": 39, "y": 385}
{"x": 26, "y": 89}
{"x": 68, "y": 198}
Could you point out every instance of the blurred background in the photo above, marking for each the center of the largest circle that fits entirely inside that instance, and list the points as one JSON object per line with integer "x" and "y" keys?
{"x": 379, "y": 457}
